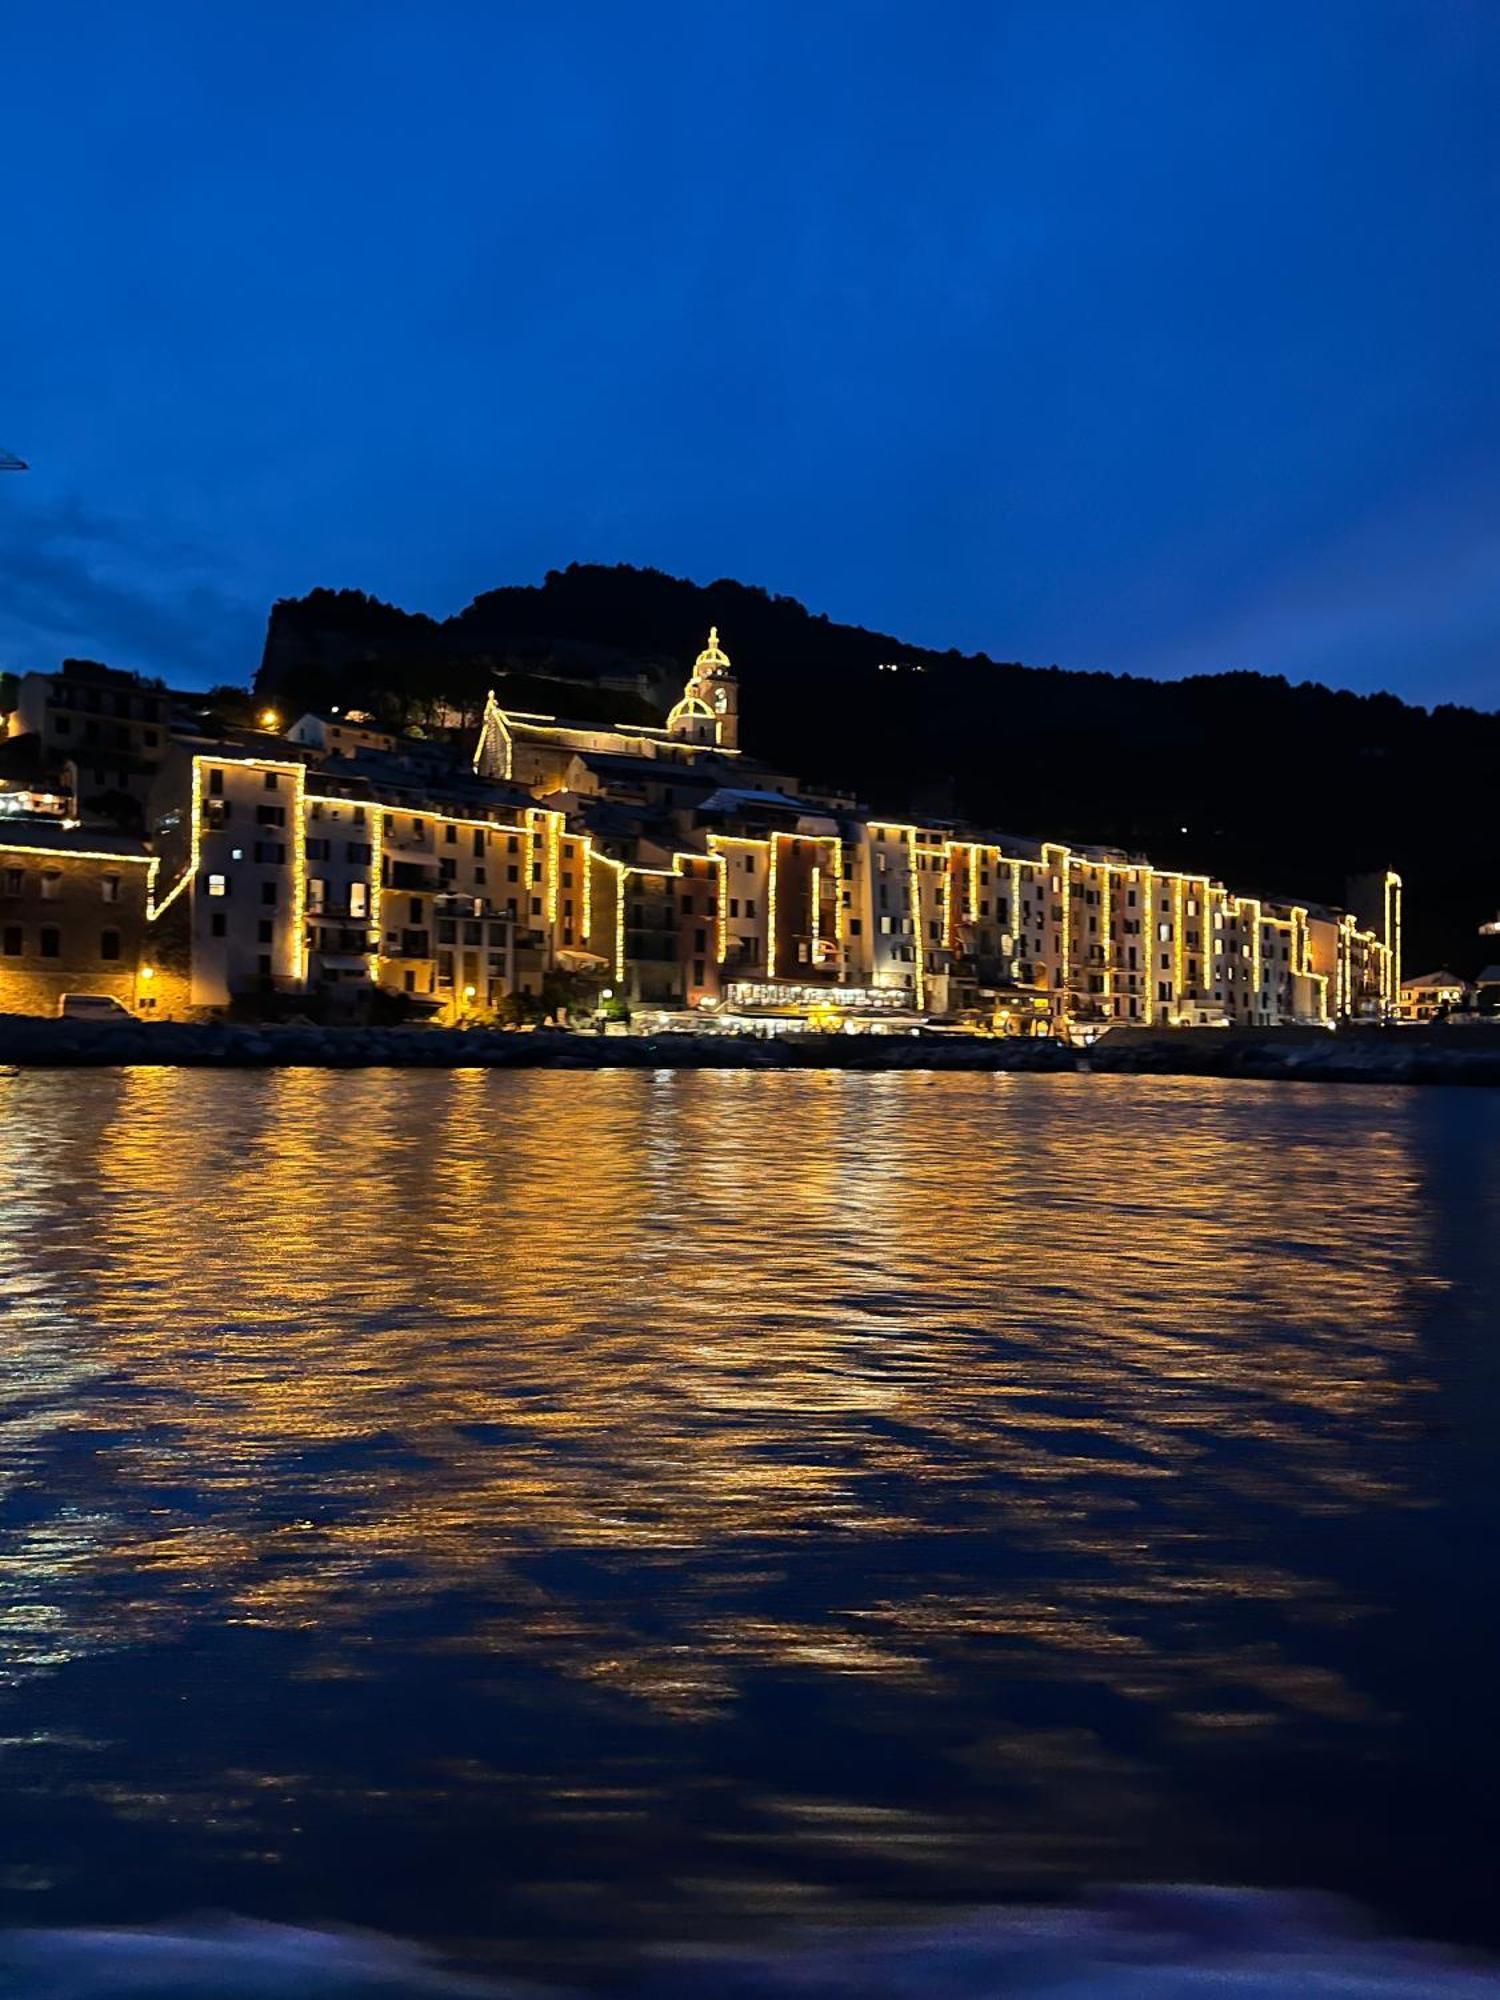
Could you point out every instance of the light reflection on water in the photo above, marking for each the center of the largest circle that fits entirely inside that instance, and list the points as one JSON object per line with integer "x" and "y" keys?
{"x": 478, "y": 1505}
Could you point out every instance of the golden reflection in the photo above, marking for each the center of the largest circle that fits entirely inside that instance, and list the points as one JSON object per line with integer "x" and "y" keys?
{"x": 1040, "y": 1362}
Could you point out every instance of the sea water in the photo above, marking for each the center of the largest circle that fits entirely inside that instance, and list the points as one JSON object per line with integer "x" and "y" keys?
{"x": 559, "y": 1520}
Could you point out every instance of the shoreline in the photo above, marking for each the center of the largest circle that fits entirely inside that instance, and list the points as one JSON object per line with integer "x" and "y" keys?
{"x": 1469, "y": 1055}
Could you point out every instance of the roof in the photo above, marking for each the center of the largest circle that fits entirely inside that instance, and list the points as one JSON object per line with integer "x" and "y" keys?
{"x": 53, "y": 836}
{"x": 730, "y": 800}
{"x": 650, "y": 770}
{"x": 1425, "y": 980}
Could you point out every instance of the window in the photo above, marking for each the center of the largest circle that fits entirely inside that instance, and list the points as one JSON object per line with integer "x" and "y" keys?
{"x": 109, "y": 944}
{"x": 265, "y": 930}
{"x": 450, "y": 834}
{"x": 273, "y": 781}
{"x": 109, "y": 888}
{"x": 409, "y": 982}
{"x": 270, "y": 815}
{"x": 317, "y": 895}
{"x": 51, "y": 883}
{"x": 218, "y": 924}
{"x": 359, "y": 899}
{"x": 264, "y": 963}
{"x": 51, "y": 941}
{"x": 415, "y": 907}
{"x": 479, "y": 841}
{"x": 218, "y": 885}
{"x": 10, "y": 941}
{"x": 216, "y": 784}
{"x": 268, "y": 894}
{"x": 749, "y": 906}
{"x": 15, "y": 881}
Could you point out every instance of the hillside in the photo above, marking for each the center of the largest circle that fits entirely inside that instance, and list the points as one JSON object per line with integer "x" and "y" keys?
{"x": 1278, "y": 788}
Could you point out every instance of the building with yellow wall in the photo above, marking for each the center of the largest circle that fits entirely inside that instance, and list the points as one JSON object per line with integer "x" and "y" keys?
{"x": 670, "y": 867}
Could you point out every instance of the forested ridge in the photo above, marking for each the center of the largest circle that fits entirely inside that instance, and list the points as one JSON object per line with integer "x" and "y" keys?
{"x": 1280, "y": 789}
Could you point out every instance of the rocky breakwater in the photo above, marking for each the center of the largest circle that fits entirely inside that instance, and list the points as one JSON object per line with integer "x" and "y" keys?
{"x": 1468, "y": 1055}
{"x": 26, "y": 1042}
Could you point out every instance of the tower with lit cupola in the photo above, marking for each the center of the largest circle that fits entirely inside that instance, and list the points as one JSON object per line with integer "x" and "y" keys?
{"x": 709, "y": 712}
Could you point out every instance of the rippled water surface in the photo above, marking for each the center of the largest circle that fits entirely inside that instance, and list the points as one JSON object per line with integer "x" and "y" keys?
{"x": 546, "y": 1513}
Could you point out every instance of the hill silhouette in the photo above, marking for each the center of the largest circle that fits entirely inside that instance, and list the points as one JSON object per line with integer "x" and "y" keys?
{"x": 1279, "y": 789}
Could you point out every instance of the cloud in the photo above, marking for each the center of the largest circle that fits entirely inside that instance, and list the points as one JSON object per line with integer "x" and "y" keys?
{"x": 73, "y": 580}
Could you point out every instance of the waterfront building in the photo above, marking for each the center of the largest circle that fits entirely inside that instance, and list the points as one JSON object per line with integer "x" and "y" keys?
{"x": 74, "y": 909}
{"x": 1429, "y": 996}
{"x": 463, "y": 874}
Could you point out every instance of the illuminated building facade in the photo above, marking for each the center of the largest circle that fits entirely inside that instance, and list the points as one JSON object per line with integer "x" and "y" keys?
{"x": 664, "y": 864}
{"x": 74, "y": 909}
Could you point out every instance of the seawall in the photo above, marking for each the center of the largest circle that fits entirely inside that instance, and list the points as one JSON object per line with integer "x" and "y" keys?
{"x": 1453, "y": 1055}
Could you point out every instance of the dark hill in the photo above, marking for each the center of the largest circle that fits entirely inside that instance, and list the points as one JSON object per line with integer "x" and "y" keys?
{"x": 1279, "y": 788}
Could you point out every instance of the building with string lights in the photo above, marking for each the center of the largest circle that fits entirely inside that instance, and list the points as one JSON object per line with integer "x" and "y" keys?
{"x": 542, "y": 861}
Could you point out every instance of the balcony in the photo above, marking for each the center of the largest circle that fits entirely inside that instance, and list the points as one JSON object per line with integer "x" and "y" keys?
{"x": 413, "y": 875}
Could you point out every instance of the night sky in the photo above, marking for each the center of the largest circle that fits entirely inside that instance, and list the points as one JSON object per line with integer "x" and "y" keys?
{"x": 1155, "y": 338}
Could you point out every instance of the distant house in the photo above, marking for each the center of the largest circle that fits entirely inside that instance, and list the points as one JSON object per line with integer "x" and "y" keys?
{"x": 336, "y": 738}
{"x": 1430, "y": 995}
{"x": 1487, "y": 990}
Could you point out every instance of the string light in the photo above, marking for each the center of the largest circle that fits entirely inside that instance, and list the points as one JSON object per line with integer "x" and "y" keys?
{"x": 377, "y": 871}
{"x": 541, "y": 830}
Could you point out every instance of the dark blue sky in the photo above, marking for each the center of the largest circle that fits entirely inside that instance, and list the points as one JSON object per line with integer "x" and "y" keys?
{"x": 1159, "y": 338}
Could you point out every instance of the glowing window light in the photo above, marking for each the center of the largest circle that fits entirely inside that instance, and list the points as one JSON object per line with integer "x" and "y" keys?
{"x": 817, "y": 890}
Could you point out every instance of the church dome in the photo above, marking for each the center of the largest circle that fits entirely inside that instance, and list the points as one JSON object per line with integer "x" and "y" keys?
{"x": 713, "y": 659}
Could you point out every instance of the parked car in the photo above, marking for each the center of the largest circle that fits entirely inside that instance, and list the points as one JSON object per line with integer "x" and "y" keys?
{"x": 92, "y": 1007}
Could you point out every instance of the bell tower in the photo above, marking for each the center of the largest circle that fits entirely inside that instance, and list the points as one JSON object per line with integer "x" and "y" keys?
{"x": 709, "y": 712}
